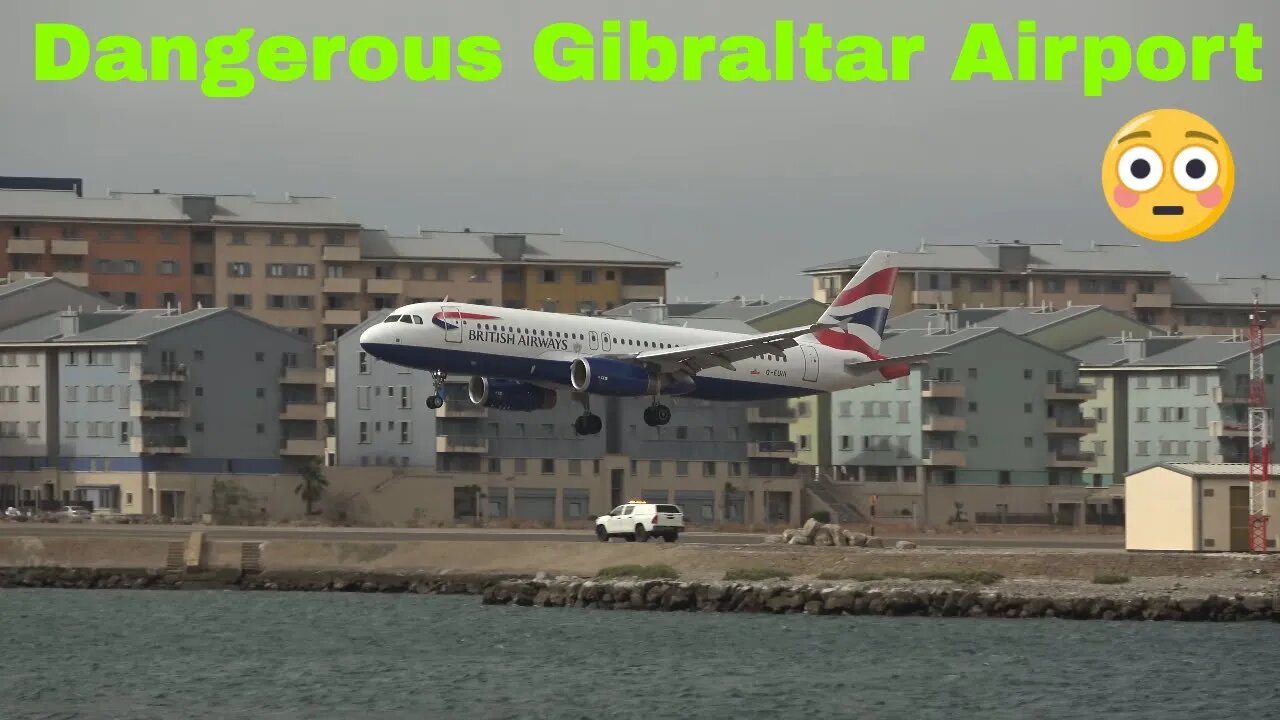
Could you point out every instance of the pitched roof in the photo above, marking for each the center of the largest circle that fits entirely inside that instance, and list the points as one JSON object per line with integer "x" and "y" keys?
{"x": 26, "y": 283}
{"x": 1225, "y": 291}
{"x": 168, "y": 208}
{"x": 1166, "y": 350}
{"x": 476, "y": 246}
{"x": 108, "y": 326}
{"x": 1206, "y": 469}
{"x": 1043, "y": 258}
{"x": 911, "y": 342}
{"x": 1017, "y": 320}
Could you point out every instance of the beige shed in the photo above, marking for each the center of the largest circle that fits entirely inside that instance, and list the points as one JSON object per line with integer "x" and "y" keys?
{"x": 1195, "y": 507}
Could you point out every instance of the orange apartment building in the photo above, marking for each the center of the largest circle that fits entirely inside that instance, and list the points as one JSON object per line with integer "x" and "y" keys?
{"x": 1124, "y": 278}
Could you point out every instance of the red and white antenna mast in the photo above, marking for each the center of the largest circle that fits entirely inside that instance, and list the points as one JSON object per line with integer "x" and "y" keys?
{"x": 1259, "y": 435}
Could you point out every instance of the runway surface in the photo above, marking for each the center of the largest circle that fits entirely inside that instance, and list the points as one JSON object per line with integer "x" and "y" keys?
{"x": 250, "y": 534}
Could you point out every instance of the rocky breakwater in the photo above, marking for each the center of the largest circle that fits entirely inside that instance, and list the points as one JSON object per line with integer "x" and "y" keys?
{"x": 232, "y": 579}
{"x": 920, "y": 600}
{"x": 830, "y": 534}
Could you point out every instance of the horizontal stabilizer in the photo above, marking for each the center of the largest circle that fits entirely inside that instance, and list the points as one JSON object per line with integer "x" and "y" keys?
{"x": 861, "y": 365}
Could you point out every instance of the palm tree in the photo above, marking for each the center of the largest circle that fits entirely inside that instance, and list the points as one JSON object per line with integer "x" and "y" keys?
{"x": 313, "y": 483}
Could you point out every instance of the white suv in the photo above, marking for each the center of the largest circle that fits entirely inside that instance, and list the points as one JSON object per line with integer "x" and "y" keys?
{"x": 637, "y": 520}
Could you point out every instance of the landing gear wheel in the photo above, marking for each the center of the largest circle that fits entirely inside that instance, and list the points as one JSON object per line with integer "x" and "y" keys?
{"x": 642, "y": 535}
{"x": 437, "y": 381}
{"x": 656, "y": 415}
{"x": 588, "y": 424}
{"x": 601, "y": 534}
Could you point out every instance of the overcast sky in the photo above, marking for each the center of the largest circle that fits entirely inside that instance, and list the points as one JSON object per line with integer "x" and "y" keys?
{"x": 744, "y": 184}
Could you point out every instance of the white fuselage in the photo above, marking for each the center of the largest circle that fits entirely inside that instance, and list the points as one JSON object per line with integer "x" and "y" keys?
{"x": 534, "y": 346}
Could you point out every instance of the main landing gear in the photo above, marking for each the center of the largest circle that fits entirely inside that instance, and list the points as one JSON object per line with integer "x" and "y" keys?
{"x": 657, "y": 414}
{"x": 437, "y": 400}
{"x": 588, "y": 423}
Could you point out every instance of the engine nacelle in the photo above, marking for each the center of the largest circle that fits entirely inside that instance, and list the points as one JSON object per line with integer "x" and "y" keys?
{"x": 509, "y": 395}
{"x": 605, "y": 376}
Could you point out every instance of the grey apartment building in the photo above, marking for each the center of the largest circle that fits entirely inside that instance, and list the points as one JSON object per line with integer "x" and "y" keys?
{"x": 208, "y": 390}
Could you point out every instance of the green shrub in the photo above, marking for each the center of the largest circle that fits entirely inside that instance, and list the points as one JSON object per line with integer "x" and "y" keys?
{"x": 1110, "y": 579}
{"x": 642, "y": 572}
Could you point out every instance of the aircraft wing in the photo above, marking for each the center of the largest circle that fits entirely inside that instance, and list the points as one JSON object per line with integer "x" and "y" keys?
{"x": 696, "y": 358}
{"x": 861, "y": 365}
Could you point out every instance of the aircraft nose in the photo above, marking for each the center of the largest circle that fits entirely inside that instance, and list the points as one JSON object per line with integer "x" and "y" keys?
{"x": 371, "y": 338}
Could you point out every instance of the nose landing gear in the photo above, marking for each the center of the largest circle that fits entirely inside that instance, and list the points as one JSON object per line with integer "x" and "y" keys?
{"x": 436, "y": 401}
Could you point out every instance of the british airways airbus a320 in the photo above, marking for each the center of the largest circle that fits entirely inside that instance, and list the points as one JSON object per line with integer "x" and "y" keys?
{"x": 519, "y": 359}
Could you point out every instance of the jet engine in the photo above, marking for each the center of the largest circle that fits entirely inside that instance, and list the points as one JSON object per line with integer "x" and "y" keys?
{"x": 606, "y": 376}
{"x": 509, "y": 395}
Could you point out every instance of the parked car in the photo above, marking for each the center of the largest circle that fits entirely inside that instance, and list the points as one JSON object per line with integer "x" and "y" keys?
{"x": 74, "y": 513}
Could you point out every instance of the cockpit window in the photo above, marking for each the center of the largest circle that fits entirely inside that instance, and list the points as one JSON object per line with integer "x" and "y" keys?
{"x": 417, "y": 320}
{"x": 392, "y": 318}
{"x": 406, "y": 319}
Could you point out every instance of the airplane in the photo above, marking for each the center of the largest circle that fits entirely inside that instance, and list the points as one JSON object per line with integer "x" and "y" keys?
{"x": 519, "y": 359}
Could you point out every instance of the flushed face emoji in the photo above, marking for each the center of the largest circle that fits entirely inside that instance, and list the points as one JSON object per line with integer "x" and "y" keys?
{"x": 1168, "y": 175}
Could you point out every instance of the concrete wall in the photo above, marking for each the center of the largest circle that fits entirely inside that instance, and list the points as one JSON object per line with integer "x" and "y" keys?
{"x": 398, "y": 496}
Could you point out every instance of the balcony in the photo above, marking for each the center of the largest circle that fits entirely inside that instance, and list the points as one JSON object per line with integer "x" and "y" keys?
{"x": 80, "y": 279}
{"x": 302, "y": 376}
{"x": 1072, "y": 426}
{"x": 16, "y": 275}
{"x": 69, "y": 246}
{"x": 1238, "y": 396}
{"x": 302, "y": 411}
{"x": 771, "y": 416}
{"x": 340, "y": 253}
{"x": 639, "y": 293}
{"x": 384, "y": 286}
{"x": 341, "y": 285}
{"x": 943, "y": 423}
{"x": 461, "y": 444}
{"x": 942, "y": 389}
{"x": 1070, "y": 459}
{"x": 159, "y": 444}
{"x": 941, "y": 457}
{"x": 342, "y": 317}
{"x": 158, "y": 409}
{"x": 1070, "y": 391}
{"x": 331, "y": 376}
{"x": 302, "y": 447}
{"x": 462, "y": 410}
{"x": 26, "y": 246}
{"x": 932, "y": 297}
{"x": 1152, "y": 300}
{"x": 158, "y": 373}
{"x": 772, "y": 449}
{"x": 1230, "y": 428}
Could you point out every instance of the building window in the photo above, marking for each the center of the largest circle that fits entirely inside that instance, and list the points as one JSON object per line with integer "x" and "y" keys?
{"x": 586, "y": 276}
{"x": 364, "y": 363}
{"x": 364, "y": 432}
{"x": 405, "y": 436}
{"x": 168, "y": 267}
{"x": 239, "y": 269}
{"x": 550, "y": 276}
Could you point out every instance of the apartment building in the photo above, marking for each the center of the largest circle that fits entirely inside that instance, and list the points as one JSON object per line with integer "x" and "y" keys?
{"x": 157, "y": 249}
{"x": 1057, "y": 329}
{"x": 994, "y": 426}
{"x": 1222, "y": 306}
{"x": 140, "y": 392}
{"x": 1126, "y": 278}
{"x": 519, "y": 270}
{"x": 1169, "y": 399}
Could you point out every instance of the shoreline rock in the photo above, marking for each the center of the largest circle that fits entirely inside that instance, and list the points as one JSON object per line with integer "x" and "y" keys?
{"x": 886, "y": 599}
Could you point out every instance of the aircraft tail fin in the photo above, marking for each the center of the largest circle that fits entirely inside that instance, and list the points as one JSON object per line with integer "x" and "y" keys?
{"x": 861, "y": 310}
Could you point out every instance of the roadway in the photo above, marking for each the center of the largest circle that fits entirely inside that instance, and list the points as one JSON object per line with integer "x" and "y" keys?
{"x": 258, "y": 534}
